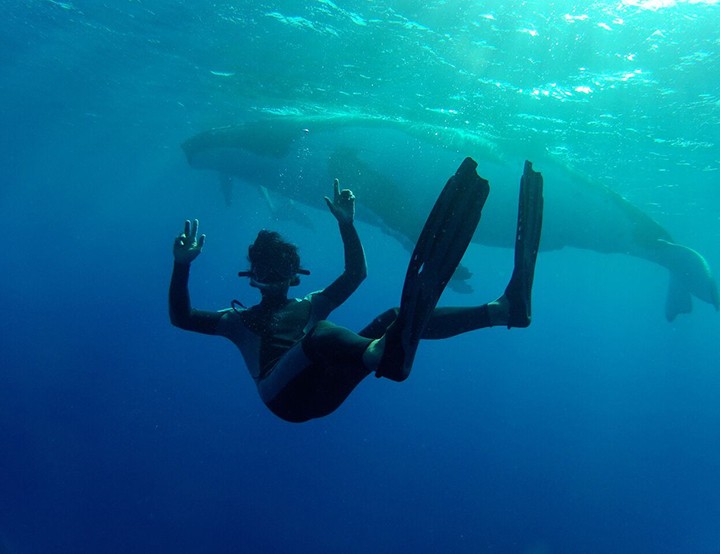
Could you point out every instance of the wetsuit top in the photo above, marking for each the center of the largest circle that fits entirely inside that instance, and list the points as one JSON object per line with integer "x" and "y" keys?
{"x": 262, "y": 333}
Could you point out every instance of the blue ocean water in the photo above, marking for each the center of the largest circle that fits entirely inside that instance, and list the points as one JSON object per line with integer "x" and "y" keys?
{"x": 594, "y": 431}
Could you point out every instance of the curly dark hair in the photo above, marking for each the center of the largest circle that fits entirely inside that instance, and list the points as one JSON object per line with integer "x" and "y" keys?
{"x": 273, "y": 258}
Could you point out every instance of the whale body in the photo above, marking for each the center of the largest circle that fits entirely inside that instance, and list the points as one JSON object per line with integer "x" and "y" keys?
{"x": 396, "y": 168}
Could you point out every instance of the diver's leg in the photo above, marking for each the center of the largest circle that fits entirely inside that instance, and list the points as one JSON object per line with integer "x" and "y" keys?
{"x": 452, "y": 321}
{"x": 316, "y": 376}
{"x": 378, "y": 326}
{"x": 442, "y": 243}
{"x": 444, "y": 322}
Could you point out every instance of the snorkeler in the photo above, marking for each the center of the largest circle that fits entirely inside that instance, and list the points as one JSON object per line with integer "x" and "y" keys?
{"x": 305, "y": 366}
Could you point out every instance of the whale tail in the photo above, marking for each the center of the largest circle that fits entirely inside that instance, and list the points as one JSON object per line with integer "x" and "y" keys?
{"x": 690, "y": 276}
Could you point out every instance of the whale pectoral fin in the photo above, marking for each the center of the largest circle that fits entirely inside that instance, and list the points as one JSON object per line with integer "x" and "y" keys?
{"x": 268, "y": 199}
{"x": 459, "y": 281}
{"x": 286, "y": 209}
{"x": 226, "y": 186}
{"x": 293, "y": 212}
{"x": 679, "y": 299}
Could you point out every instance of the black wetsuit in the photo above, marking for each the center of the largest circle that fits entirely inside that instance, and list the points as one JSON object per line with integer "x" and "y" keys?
{"x": 304, "y": 366}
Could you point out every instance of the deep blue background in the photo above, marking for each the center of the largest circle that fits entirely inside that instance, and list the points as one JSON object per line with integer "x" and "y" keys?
{"x": 596, "y": 430}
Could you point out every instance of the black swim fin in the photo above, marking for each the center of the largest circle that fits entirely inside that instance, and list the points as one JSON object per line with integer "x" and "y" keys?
{"x": 527, "y": 242}
{"x": 442, "y": 244}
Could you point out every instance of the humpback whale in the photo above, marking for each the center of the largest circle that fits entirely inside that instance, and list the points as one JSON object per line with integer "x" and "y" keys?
{"x": 391, "y": 166}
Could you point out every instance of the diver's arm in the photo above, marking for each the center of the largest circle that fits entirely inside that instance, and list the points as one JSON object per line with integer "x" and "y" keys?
{"x": 188, "y": 247}
{"x": 343, "y": 208}
{"x": 181, "y": 313}
{"x": 355, "y": 268}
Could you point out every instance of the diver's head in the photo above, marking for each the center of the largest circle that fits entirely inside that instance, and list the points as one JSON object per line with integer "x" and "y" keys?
{"x": 274, "y": 263}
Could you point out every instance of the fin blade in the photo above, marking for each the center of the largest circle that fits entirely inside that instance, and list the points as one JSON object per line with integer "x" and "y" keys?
{"x": 445, "y": 237}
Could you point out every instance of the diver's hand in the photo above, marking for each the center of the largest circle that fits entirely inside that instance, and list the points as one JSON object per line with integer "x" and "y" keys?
{"x": 187, "y": 245}
{"x": 342, "y": 205}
